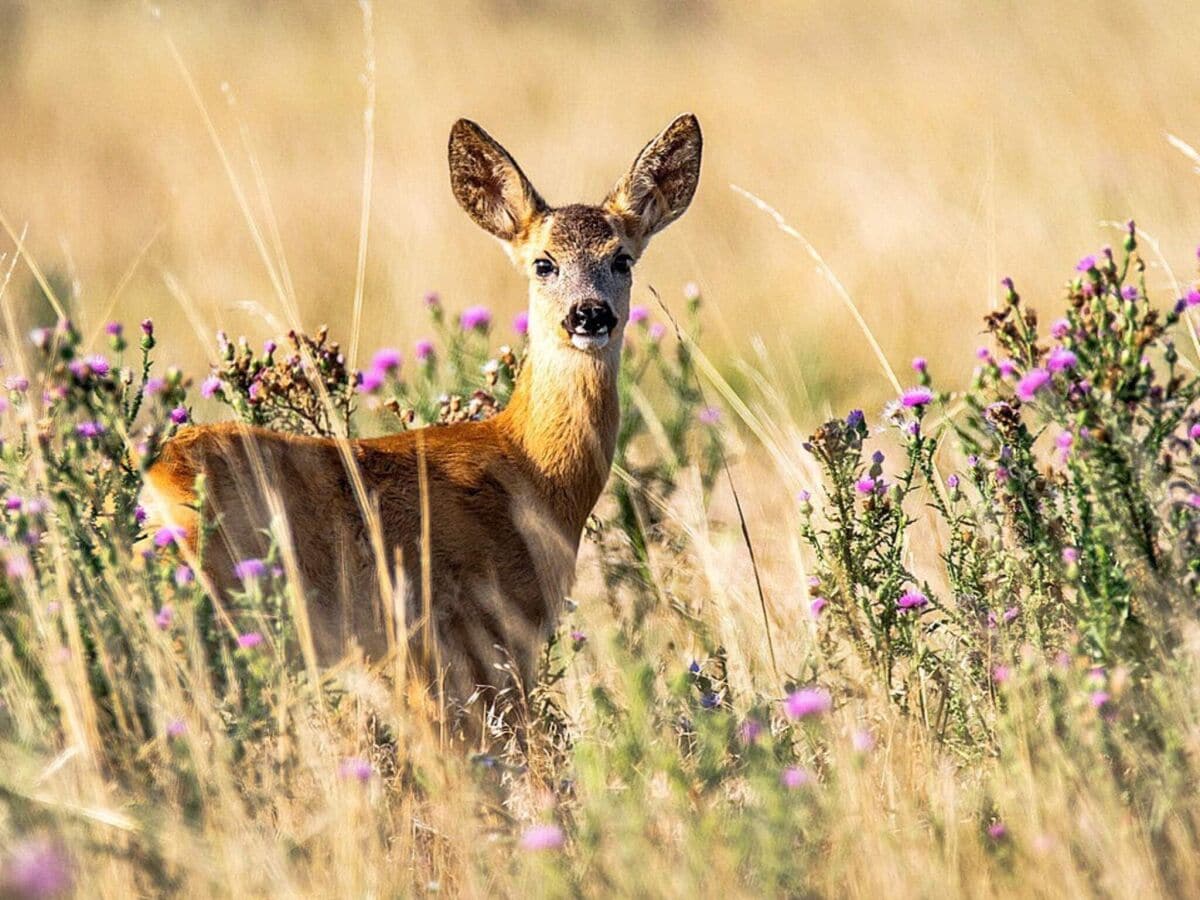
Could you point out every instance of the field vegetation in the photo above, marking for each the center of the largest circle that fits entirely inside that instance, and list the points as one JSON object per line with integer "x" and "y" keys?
{"x": 893, "y": 588}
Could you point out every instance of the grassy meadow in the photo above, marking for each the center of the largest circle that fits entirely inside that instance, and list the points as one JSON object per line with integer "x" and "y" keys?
{"x": 893, "y": 588}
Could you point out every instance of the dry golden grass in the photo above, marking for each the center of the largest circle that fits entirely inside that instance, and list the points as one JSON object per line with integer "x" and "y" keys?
{"x": 924, "y": 149}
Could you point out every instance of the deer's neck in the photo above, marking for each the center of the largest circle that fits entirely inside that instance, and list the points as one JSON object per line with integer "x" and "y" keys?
{"x": 563, "y": 417}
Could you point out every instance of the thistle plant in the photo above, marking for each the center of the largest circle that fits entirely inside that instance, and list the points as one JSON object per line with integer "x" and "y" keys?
{"x": 1068, "y": 522}
{"x": 303, "y": 387}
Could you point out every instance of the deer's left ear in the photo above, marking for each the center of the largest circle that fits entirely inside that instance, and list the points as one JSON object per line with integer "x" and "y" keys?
{"x": 661, "y": 182}
{"x": 489, "y": 184}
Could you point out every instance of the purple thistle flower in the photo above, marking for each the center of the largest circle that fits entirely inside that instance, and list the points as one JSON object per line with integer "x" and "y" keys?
{"x": 1099, "y": 699}
{"x": 475, "y": 318}
{"x": 1192, "y": 298}
{"x": 694, "y": 668}
{"x": 520, "y": 323}
{"x": 139, "y": 514}
{"x": 148, "y": 327}
{"x": 89, "y": 429}
{"x": 793, "y": 777}
{"x": 542, "y": 837}
{"x": 710, "y": 415}
{"x": 1033, "y": 381}
{"x": 249, "y": 640}
{"x": 370, "y": 381}
{"x": 855, "y": 418}
{"x": 750, "y": 731}
{"x": 18, "y": 383}
{"x": 168, "y": 535}
{"x": 184, "y": 575}
{"x": 1011, "y": 613}
{"x": 952, "y": 482}
{"x": 1086, "y": 264}
{"x": 34, "y": 869}
{"x": 179, "y": 415}
{"x": 818, "y": 604}
{"x": 997, "y": 831}
{"x": 98, "y": 365}
{"x": 578, "y": 637}
{"x": 164, "y": 617}
{"x": 912, "y": 600}
{"x": 423, "y": 349}
{"x": 269, "y": 347}
{"x": 807, "y": 702}
{"x": 1129, "y": 292}
{"x": 657, "y": 331}
{"x": 176, "y": 729}
{"x": 210, "y": 386}
{"x": 1008, "y": 368}
{"x": 1001, "y": 674}
{"x": 386, "y": 360}
{"x": 917, "y": 396}
{"x": 983, "y": 354}
{"x": 1064, "y": 442}
{"x": 919, "y": 364}
{"x": 155, "y": 385}
{"x": 114, "y": 329}
{"x": 1194, "y": 432}
{"x": 865, "y": 485}
{"x": 1061, "y": 359}
{"x": 1060, "y": 329}
{"x": 355, "y": 768}
{"x": 250, "y": 570}
{"x": 14, "y": 504}
{"x": 638, "y": 314}
{"x": 432, "y": 299}
{"x": 1070, "y": 555}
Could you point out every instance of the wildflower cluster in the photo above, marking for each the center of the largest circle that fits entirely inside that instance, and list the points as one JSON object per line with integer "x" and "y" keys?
{"x": 1068, "y": 523}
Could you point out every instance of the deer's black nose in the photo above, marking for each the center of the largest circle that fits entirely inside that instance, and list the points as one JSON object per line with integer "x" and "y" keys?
{"x": 591, "y": 318}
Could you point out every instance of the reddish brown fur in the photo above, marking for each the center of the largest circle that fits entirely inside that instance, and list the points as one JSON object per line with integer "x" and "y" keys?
{"x": 507, "y": 498}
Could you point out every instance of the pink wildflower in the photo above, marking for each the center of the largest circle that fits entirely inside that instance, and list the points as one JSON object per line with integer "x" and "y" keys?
{"x": 807, "y": 702}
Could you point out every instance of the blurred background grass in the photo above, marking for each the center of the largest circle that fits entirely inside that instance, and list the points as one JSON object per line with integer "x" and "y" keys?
{"x": 925, "y": 149}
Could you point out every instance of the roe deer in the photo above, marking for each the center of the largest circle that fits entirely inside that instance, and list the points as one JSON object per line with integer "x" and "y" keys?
{"x": 506, "y": 498}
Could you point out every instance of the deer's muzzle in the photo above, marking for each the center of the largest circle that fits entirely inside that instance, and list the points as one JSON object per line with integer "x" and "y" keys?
{"x": 590, "y": 324}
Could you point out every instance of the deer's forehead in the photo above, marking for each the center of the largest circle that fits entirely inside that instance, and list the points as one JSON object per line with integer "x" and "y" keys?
{"x": 580, "y": 231}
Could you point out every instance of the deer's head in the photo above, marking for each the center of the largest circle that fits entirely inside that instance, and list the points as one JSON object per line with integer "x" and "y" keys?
{"x": 579, "y": 258}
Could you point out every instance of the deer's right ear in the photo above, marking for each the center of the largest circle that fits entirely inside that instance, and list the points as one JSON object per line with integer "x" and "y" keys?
{"x": 661, "y": 183}
{"x": 488, "y": 183}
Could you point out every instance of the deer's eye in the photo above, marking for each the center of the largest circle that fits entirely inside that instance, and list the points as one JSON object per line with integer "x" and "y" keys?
{"x": 623, "y": 264}
{"x": 544, "y": 268}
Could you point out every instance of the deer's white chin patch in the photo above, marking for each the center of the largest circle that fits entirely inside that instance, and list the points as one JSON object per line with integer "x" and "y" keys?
{"x": 589, "y": 341}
